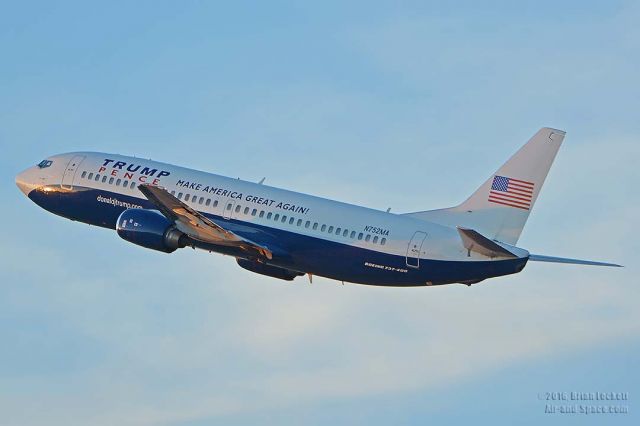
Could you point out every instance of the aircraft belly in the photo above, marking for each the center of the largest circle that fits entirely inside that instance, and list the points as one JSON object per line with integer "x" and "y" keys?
{"x": 292, "y": 251}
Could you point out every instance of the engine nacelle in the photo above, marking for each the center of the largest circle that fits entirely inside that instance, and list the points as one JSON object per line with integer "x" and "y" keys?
{"x": 271, "y": 271}
{"x": 149, "y": 229}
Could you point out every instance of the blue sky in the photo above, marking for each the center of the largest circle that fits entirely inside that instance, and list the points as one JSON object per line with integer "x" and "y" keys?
{"x": 405, "y": 105}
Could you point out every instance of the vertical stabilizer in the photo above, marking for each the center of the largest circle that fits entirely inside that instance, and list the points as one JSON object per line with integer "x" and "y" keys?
{"x": 500, "y": 207}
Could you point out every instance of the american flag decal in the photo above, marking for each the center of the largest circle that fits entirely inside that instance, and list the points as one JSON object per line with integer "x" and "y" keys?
{"x": 511, "y": 192}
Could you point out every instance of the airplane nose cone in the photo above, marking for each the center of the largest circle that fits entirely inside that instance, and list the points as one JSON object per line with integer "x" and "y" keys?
{"x": 25, "y": 184}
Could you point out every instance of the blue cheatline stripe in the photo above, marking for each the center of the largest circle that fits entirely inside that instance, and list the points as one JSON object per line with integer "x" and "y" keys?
{"x": 298, "y": 252}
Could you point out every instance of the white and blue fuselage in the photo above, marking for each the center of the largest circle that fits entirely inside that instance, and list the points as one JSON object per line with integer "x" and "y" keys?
{"x": 308, "y": 234}
{"x": 285, "y": 234}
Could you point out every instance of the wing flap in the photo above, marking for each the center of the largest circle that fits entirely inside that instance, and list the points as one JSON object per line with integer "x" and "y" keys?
{"x": 196, "y": 225}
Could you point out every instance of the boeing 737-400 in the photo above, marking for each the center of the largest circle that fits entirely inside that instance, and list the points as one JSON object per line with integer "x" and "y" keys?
{"x": 284, "y": 234}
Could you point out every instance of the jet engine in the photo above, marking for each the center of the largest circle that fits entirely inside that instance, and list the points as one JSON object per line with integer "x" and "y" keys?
{"x": 150, "y": 229}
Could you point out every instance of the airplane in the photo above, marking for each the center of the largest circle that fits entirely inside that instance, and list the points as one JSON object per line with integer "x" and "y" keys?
{"x": 285, "y": 234}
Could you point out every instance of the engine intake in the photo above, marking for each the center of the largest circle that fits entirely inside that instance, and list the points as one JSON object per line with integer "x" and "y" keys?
{"x": 149, "y": 229}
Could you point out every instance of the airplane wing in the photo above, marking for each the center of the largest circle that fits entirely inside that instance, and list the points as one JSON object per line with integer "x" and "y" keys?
{"x": 196, "y": 225}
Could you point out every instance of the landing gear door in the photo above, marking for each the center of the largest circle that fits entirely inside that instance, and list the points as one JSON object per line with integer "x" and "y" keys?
{"x": 415, "y": 249}
{"x": 71, "y": 170}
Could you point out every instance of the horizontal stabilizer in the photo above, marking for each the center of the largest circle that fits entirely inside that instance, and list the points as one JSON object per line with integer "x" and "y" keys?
{"x": 540, "y": 258}
{"x": 476, "y": 242}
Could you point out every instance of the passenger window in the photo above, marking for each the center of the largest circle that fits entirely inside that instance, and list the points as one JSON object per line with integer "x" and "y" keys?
{"x": 186, "y": 197}
{"x": 201, "y": 200}
{"x": 125, "y": 183}
{"x": 261, "y": 213}
{"x": 97, "y": 179}
{"x": 104, "y": 178}
{"x": 367, "y": 238}
{"x": 229, "y": 206}
{"x": 383, "y": 241}
{"x": 133, "y": 185}
{"x": 110, "y": 181}
{"x": 208, "y": 203}
{"x": 338, "y": 230}
{"x": 284, "y": 218}
{"x": 246, "y": 210}
{"x": 291, "y": 220}
{"x": 353, "y": 234}
{"x": 375, "y": 239}
{"x": 330, "y": 230}
{"x": 307, "y": 224}
{"x": 179, "y": 195}
{"x": 215, "y": 203}
{"x": 345, "y": 233}
{"x": 84, "y": 174}
{"x": 90, "y": 176}
{"x": 299, "y": 222}
{"x": 238, "y": 207}
{"x": 315, "y": 226}
{"x": 360, "y": 236}
{"x": 322, "y": 228}
{"x": 276, "y": 217}
{"x": 269, "y": 215}
{"x": 118, "y": 182}
{"x": 254, "y": 212}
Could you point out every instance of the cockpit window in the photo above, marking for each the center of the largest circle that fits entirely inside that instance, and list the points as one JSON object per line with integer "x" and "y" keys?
{"x": 45, "y": 163}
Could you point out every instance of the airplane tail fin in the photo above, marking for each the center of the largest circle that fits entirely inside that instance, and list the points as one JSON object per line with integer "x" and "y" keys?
{"x": 500, "y": 208}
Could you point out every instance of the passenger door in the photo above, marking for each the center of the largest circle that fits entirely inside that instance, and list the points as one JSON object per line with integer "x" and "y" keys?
{"x": 70, "y": 172}
{"x": 415, "y": 249}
